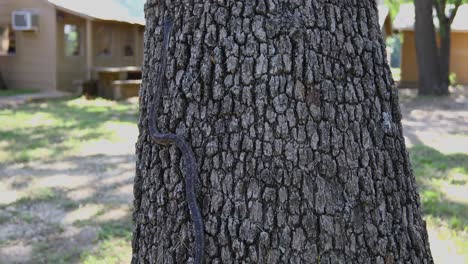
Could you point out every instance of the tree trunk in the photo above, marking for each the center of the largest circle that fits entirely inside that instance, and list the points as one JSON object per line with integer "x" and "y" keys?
{"x": 2, "y": 83}
{"x": 444, "y": 57}
{"x": 294, "y": 121}
{"x": 426, "y": 49}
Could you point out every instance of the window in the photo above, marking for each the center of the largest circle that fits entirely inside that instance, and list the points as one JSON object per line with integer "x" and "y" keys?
{"x": 7, "y": 40}
{"x": 72, "y": 40}
{"x": 128, "y": 44}
{"x": 103, "y": 41}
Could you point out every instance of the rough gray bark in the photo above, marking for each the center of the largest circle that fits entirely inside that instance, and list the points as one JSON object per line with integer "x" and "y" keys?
{"x": 290, "y": 108}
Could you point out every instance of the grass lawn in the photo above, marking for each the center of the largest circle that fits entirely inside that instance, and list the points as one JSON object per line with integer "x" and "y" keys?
{"x": 62, "y": 130}
{"x": 396, "y": 73}
{"x": 74, "y": 141}
{"x": 443, "y": 188}
{"x": 11, "y": 92}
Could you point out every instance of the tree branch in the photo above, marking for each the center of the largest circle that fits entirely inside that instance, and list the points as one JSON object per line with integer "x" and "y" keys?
{"x": 454, "y": 11}
{"x": 439, "y": 6}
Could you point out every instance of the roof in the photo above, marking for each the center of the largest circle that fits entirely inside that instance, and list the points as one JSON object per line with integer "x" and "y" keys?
{"x": 405, "y": 18}
{"x": 384, "y": 11}
{"x": 113, "y": 10}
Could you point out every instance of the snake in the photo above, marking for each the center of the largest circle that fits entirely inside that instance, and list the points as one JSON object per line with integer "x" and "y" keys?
{"x": 165, "y": 139}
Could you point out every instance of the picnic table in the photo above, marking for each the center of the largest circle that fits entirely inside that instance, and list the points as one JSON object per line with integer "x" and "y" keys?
{"x": 118, "y": 82}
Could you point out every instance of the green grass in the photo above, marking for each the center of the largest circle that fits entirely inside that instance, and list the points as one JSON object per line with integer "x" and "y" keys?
{"x": 11, "y": 92}
{"x": 60, "y": 128}
{"x": 116, "y": 250}
{"x": 438, "y": 175}
{"x": 396, "y": 73}
{"x": 114, "y": 244}
{"x": 57, "y": 129}
{"x": 46, "y": 253}
{"x": 38, "y": 195}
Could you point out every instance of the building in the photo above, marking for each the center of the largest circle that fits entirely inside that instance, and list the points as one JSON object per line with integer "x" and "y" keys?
{"x": 385, "y": 21}
{"x": 404, "y": 23}
{"x": 69, "y": 39}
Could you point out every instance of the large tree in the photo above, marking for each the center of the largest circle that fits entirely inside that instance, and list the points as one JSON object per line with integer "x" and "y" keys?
{"x": 293, "y": 119}
{"x": 433, "y": 59}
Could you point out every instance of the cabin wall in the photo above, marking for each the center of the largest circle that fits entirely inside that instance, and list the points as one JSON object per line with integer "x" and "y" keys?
{"x": 71, "y": 70}
{"x": 40, "y": 61}
{"x": 409, "y": 64}
{"x": 458, "y": 55}
{"x": 33, "y": 66}
{"x": 121, "y": 34}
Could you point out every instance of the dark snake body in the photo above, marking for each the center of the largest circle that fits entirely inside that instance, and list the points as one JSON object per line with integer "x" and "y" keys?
{"x": 179, "y": 141}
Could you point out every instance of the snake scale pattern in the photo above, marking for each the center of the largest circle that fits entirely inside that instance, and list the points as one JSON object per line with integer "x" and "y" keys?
{"x": 165, "y": 139}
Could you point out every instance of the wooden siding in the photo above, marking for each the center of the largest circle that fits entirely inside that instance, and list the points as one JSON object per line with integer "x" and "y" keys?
{"x": 40, "y": 61}
{"x": 458, "y": 62}
{"x": 119, "y": 33}
{"x": 73, "y": 69}
{"x": 5, "y": 11}
{"x": 459, "y": 56}
{"x": 33, "y": 65}
{"x": 70, "y": 69}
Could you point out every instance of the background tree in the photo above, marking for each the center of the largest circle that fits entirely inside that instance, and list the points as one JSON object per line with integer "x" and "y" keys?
{"x": 433, "y": 59}
{"x": 427, "y": 51}
{"x": 294, "y": 120}
{"x": 2, "y": 82}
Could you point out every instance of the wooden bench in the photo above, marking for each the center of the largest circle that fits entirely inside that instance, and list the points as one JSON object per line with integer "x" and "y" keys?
{"x": 125, "y": 88}
{"x": 114, "y": 83}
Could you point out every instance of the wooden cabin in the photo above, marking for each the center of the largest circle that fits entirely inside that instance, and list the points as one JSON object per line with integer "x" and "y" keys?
{"x": 404, "y": 23}
{"x": 59, "y": 44}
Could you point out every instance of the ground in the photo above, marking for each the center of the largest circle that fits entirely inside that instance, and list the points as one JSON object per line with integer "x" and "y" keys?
{"x": 67, "y": 166}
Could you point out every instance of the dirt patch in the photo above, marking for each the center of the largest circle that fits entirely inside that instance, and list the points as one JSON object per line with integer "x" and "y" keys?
{"x": 437, "y": 122}
{"x": 17, "y": 253}
{"x": 57, "y": 207}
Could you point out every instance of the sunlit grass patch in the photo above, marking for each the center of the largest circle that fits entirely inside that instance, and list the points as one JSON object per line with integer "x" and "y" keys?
{"x": 113, "y": 250}
{"x": 443, "y": 182}
{"x": 456, "y": 240}
{"x": 114, "y": 244}
{"x": 38, "y": 195}
{"x": 61, "y": 128}
{"x": 396, "y": 73}
{"x": 45, "y": 253}
{"x": 450, "y": 213}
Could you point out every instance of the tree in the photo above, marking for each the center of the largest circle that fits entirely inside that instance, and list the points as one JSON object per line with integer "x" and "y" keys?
{"x": 294, "y": 122}
{"x": 427, "y": 51}
{"x": 434, "y": 61}
{"x": 2, "y": 82}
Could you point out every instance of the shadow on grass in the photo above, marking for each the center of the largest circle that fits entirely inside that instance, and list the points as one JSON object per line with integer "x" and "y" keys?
{"x": 112, "y": 245}
{"x": 51, "y": 129}
{"x": 435, "y": 171}
{"x": 12, "y": 92}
